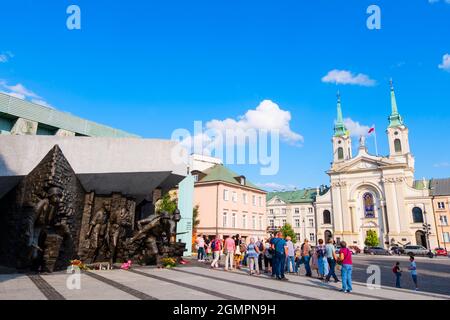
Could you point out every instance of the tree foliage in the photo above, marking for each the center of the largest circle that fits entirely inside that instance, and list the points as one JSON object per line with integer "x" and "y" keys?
{"x": 287, "y": 230}
{"x": 195, "y": 219}
{"x": 372, "y": 239}
{"x": 166, "y": 203}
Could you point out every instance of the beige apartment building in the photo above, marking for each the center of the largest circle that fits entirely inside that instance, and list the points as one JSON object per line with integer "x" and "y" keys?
{"x": 295, "y": 208}
{"x": 440, "y": 191}
{"x": 228, "y": 203}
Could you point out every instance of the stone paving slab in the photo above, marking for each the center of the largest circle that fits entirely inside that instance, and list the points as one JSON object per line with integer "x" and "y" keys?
{"x": 91, "y": 289}
{"x": 19, "y": 287}
{"x": 156, "y": 288}
{"x": 238, "y": 291}
{"x": 308, "y": 291}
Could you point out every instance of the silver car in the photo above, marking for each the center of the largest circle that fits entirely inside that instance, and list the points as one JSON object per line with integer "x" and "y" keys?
{"x": 416, "y": 250}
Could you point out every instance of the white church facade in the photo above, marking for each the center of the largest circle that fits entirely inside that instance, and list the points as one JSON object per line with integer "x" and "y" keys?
{"x": 377, "y": 193}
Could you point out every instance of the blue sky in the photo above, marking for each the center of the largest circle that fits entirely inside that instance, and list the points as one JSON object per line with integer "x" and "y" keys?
{"x": 150, "y": 67}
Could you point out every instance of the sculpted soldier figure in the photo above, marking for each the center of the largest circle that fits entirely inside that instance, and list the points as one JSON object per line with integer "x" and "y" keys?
{"x": 44, "y": 213}
{"x": 98, "y": 224}
{"x": 118, "y": 220}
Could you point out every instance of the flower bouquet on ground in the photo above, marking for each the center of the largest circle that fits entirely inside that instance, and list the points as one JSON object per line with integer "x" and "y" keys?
{"x": 168, "y": 262}
{"x": 126, "y": 265}
{"x": 78, "y": 264}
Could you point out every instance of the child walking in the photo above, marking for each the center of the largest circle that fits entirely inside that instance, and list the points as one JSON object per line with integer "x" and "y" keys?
{"x": 398, "y": 274}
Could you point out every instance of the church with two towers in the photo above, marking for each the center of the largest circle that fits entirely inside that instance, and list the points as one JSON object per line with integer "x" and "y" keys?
{"x": 371, "y": 192}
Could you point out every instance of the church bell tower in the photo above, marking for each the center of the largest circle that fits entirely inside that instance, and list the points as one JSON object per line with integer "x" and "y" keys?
{"x": 397, "y": 132}
{"x": 342, "y": 143}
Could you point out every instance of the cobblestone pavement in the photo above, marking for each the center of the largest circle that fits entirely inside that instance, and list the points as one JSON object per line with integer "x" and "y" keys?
{"x": 198, "y": 282}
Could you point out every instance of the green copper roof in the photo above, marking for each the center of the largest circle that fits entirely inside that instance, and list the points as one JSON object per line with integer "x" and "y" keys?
{"x": 339, "y": 127}
{"x": 297, "y": 196}
{"x": 395, "y": 119}
{"x": 223, "y": 174}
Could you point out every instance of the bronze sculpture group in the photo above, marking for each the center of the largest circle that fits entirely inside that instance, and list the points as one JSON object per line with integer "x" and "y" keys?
{"x": 49, "y": 219}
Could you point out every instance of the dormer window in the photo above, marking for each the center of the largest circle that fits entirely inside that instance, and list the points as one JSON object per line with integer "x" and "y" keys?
{"x": 242, "y": 180}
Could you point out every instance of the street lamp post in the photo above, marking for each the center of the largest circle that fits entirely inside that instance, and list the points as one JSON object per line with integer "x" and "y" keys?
{"x": 427, "y": 230}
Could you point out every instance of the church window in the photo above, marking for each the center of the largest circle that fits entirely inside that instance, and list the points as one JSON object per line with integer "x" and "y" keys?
{"x": 417, "y": 215}
{"x": 369, "y": 205}
{"x": 326, "y": 217}
{"x": 397, "y": 146}
{"x": 340, "y": 153}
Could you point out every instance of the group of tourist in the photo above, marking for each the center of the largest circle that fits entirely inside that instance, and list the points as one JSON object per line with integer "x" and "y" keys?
{"x": 278, "y": 255}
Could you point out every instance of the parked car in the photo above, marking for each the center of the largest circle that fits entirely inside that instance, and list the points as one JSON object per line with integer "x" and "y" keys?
{"x": 395, "y": 249}
{"x": 440, "y": 252}
{"x": 376, "y": 251}
{"x": 355, "y": 249}
{"x": 416, "y": 250}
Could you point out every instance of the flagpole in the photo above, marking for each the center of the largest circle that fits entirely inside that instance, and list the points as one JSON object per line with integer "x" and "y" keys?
{"x": 375, "y": 138}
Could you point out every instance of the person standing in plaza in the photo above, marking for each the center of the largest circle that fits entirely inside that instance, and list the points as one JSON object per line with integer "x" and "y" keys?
{"x": 208, "y": 249}
{"x": 252, "y": 256}
{"x": 413, "y": 270}
{"x": 345, "y": 257}
{"x": 306, "y": 256}
{"x": 260, "y": 245}
{"x": 331, "y": 259}
{"x": 290, "y": 259}
{"x": 280, "y": 248}
{"x": 320, "y": 253}
{"x": 229, "y": 250}
{"x": 268, "y": 254}
{"x": 200, "y": 244}
{"x": 398, "y": 274}
{"x": 216, "y": 247}
{"x": 237, "y": 253}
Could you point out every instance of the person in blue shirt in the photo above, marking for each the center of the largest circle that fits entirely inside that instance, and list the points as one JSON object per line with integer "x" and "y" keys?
{"x": 279, "y": 259}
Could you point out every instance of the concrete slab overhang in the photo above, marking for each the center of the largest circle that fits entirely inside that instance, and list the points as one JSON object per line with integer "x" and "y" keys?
{"x": 129, "y": 165}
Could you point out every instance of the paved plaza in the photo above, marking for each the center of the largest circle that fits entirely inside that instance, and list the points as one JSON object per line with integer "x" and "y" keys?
{"x": 197, "y": 282}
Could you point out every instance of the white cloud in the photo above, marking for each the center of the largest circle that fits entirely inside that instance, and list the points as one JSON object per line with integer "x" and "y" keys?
{"x": 347, "y": 77}
{"x": 42, "y": 103}
{"x": 21, "y": 92}
{"x": 436, "y": 1}
{"x": 445, "y": 65}
{"x": 5, "y": 56}
{"x": 356, "y": 129}
{"x": 276, "y": 186}
{"x": 267, "y": 116}
{"x": 442, "y": 165}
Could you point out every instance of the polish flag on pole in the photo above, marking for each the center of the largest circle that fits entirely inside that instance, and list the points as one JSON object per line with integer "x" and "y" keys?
{"x": 372, "y": 129}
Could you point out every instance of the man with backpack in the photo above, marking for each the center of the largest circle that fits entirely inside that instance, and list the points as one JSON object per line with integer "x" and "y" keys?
{"x": 260, "y": 245}
{"x": 216, "y": 247}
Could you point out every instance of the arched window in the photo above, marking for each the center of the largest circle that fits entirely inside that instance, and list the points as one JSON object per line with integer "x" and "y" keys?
{"x": 417, "y": 215}
{"x": 398, "y": 146}
{"x": 326, "y": 217}
{"x": 369, "y": 205}
{"x": 340, "y": 153}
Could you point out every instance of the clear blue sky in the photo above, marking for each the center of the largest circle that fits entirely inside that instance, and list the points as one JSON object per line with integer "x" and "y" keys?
{"x": 149, "y": 67}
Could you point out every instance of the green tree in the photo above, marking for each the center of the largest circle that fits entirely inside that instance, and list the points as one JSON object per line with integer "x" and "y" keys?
{"x": 166, "y": 203}
{"x": 287, "y": 230}
{"x": 371, "y": 239}
{"x": 195, "y": 219}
